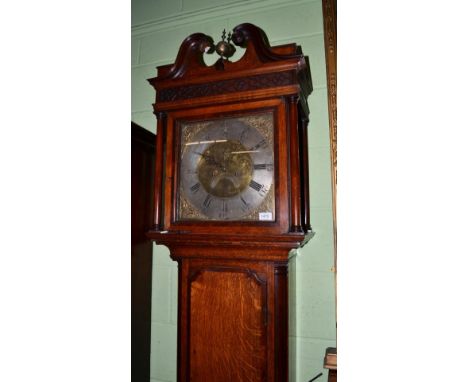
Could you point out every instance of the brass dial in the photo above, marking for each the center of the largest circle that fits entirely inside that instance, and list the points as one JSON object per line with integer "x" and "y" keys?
{"x": 227, "y": 169}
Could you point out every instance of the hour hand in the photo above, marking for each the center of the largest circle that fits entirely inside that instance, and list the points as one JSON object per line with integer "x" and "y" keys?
{"x": 210, "y": 159}
{"x": 207, "y": 157}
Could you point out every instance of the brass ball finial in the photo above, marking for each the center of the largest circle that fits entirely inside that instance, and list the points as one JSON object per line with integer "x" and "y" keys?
{"x": 224, "y": 48}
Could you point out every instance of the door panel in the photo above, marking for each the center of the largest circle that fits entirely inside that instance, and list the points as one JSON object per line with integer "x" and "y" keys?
{"x": 228, "y": 325}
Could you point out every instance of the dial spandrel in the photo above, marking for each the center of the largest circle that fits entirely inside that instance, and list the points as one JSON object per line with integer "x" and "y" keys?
{"x": 226, "y": 169}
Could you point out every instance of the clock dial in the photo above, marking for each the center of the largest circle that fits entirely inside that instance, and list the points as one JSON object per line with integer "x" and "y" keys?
{"x": 227, "y": 169}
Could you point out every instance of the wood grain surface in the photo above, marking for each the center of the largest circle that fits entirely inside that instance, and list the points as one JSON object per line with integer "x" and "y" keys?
{"x": 227, "y": 327}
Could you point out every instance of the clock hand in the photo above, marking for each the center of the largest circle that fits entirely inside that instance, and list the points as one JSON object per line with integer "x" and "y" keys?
{"x": 209, "y": 157}
{"x": 244, "y": 152}
{"x": 211, "y": 160}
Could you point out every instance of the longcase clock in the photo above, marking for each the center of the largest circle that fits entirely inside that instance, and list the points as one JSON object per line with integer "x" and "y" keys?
{"x": 231, "y": 199}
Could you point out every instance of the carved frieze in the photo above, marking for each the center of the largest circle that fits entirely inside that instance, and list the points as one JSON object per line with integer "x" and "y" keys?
{"x": 227, "y": 86}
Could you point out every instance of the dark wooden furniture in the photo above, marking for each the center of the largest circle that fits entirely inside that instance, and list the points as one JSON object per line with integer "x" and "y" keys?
{"x": 233, "y": 274}
{"x": 143, "y": 145}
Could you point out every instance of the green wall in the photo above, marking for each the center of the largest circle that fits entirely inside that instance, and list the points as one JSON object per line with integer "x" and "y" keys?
{"x": 158, "y": 28}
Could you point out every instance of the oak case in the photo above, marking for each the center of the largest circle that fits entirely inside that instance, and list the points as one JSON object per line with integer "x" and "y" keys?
{"x": 233, "y": 288}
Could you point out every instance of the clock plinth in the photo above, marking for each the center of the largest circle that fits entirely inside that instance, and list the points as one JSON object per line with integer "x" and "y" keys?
{"x": 231, "y": 201}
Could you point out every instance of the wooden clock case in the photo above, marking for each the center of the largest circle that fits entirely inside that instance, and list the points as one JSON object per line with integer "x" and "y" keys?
{"x": 233, "y": 286}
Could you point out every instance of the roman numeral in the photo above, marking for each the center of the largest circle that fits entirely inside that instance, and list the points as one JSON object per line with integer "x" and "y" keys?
{"x": 263, "y": 166}
{"x": 243, "y": 135}
{"x": 256, "y": 186}
{"x": 262, "y": 144}
{"x": 207, "y": 201}
{"x": 245, "y": 206}
{"x": 224, "y": 210}
{"x": 195, "y": 188}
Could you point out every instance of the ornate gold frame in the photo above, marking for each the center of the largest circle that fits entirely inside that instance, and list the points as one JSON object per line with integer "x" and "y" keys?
{"x": 330, "y": 32}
